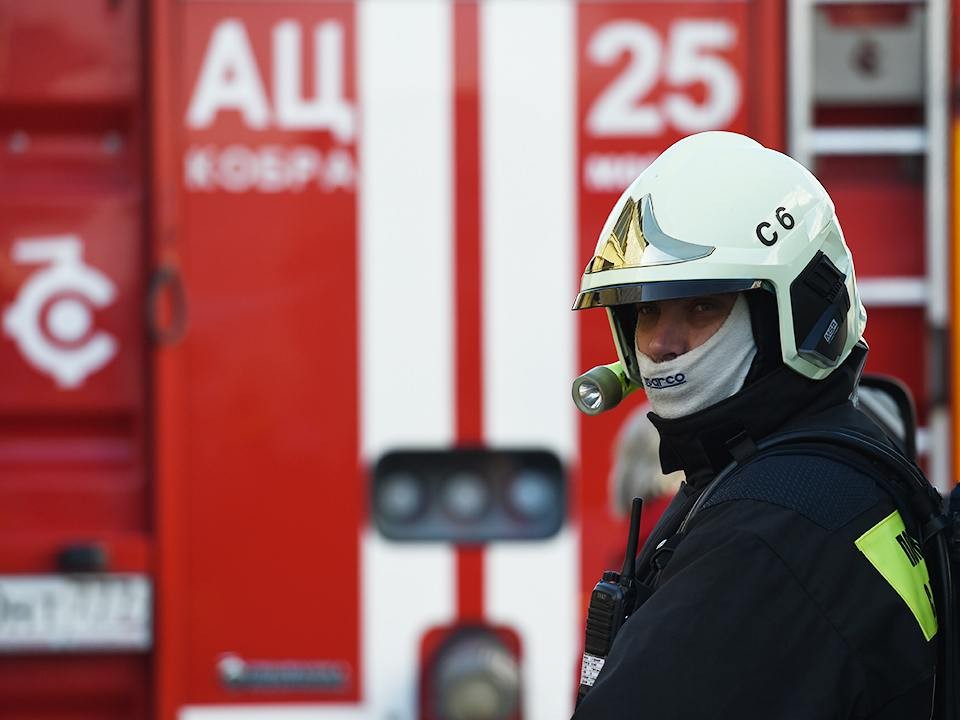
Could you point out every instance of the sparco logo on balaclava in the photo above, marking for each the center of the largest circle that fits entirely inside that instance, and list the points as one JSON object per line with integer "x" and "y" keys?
{"x": 659, "y": 383}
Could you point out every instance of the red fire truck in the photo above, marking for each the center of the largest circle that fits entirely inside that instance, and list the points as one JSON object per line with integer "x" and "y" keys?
{"x": 286, "y": 344}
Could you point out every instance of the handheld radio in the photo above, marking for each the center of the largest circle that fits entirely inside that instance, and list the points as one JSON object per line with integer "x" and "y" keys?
{"x": 612, "y": 601}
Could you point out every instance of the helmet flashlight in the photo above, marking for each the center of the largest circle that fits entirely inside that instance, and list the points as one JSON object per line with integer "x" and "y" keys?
{"x": 601, "y": 388}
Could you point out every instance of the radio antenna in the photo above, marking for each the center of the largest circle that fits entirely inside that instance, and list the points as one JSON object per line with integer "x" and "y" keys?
{"x": 629, "y": 560}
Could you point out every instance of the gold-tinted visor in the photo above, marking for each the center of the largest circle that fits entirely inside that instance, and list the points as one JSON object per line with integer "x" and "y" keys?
{"x": 637, "y": 240}
{"x": 666, "y": 290}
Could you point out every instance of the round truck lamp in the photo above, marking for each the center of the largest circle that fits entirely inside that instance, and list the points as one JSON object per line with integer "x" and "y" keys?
{"x": 402, "y": 497}
{"x": 601, "y": 388}
{"x": 466, "y": 496}
{"x": 532, "y": 495}
{"x": 475, "y": 677}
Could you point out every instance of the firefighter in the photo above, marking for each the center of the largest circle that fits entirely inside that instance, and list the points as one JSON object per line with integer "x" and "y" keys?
{"x": 794, "y": 589}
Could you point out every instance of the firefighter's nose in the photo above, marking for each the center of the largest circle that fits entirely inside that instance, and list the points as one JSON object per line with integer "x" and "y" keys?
{"x": 667, "y": 340}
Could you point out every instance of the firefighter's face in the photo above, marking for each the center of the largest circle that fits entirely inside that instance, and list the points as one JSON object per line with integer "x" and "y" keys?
{"x": 667, "y": 329}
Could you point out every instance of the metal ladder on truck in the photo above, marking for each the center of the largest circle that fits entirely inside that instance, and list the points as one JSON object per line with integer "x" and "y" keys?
{"x": 808, "y": 141}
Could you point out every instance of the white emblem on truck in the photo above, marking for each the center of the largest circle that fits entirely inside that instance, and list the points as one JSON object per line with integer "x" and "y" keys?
{"x": 52, "y": 317}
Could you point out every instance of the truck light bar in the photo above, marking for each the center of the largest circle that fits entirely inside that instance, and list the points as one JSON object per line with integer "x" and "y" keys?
{"x": 468, "y": 495}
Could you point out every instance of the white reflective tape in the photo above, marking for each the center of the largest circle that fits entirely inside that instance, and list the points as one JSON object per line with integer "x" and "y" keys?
{"x": 405, "y": 224}
{"x": 529, "y": 239}
{"x": 549, "y": 631}
{"x": 407, "y": 589}
{"x": 529, "y": 222}
{"x": 407, "y": 390}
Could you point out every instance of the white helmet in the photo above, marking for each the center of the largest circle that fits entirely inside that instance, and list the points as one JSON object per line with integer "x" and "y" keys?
{"x": 717, "y": 212}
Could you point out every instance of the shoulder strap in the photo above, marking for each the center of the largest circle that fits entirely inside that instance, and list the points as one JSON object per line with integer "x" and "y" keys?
{"x": 908, "y": 488}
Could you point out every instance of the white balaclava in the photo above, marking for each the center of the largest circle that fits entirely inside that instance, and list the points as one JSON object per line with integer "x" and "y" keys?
{"x": 705, "y": 375}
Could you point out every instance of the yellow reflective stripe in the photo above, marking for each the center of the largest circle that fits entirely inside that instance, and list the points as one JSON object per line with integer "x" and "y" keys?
{"x": 897, "y": 557}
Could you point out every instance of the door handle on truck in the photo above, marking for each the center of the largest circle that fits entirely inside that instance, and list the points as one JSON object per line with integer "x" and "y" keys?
{"x": 166, "y": 331}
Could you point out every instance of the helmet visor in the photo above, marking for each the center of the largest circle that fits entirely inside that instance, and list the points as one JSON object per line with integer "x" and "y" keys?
{"x": 634, "y": 293}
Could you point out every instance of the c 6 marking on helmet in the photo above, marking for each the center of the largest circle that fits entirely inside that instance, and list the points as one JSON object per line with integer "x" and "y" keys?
{"x": 786, "y": 222}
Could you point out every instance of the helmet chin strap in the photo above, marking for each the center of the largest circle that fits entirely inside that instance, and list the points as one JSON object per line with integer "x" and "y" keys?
{"x": 707, "y": 374}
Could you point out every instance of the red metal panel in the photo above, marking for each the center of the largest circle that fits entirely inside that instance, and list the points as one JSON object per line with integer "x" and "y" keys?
{"x": 95, "y": 687}
{"x": 898, "y": 347}
{"x": 643, "y": 85}
{"x": 73, "y": 372}
{"x": 71, "y": 431}
{"x": 83, "y": 52}
{"x": 879, "y": 201}
{"x": 168, "y": 366}
{"x": 267, "y": 406}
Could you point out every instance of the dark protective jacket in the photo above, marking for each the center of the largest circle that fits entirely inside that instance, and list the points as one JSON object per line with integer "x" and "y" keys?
{"x": 793, "y": 591}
